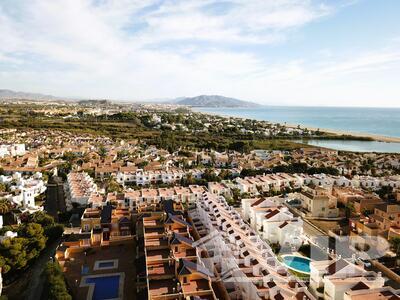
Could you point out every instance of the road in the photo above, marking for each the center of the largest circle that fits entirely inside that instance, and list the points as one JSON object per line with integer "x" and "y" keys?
{"x": 30, "y": 285}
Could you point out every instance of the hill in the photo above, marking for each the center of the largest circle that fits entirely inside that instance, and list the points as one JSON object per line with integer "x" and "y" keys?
{"x": 9, "y": 94}
{"x": 214, "y": 101}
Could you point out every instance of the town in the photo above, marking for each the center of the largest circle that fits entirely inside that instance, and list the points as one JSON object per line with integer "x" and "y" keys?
{"x": 184, "y": 205}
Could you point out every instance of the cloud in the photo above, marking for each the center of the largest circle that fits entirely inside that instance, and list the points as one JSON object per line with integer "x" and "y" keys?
{"x": 152, "y": 48}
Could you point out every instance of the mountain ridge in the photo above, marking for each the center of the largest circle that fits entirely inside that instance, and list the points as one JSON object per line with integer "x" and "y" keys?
{"x": 214, "y": 101}
{"x": 10, "y": 94}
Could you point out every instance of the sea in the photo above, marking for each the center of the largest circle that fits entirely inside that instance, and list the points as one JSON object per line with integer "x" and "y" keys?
{"x": 377, "y": 121}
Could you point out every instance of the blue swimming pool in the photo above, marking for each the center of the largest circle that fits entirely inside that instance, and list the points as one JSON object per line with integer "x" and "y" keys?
{"x": 297, "y": 263}
{"x": 105, "y": 287}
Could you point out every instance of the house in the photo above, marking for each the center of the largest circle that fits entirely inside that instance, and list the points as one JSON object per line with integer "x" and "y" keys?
{"x": 238, "y": 252}
{"x": 359, "y": 293}
{"x": 334, "y": 278}
{"x": 319, "y": 202}
{"x": 78, "y": 188}
{"x": 174, "y": 267}
{"x": 219, "y": 189}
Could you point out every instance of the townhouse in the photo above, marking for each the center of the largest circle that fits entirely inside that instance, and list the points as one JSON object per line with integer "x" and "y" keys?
{"x": 78, "y": 188}
{"x": 276, "y": 224}
{"x": 147, "y": 199}
{"x": 384, "y": 293}
{"x": 318, "y": 202}
{"x": 361, "y": 201}
{"x": 12, "y": 150}
{"x": 264, "y": 183}
{"x": 174, "y": 264}
{"x": 220, "y": 189}
{"x": 332, "y": 279}
{"x": 245, "y": 262}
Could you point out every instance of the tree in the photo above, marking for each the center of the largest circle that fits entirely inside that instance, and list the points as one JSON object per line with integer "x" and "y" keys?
{"x": 395, "y": 244}
{"x": 41, "y": 218}
{"x": 5, "y": 206}
{"x": 55, "y": 278}
{"x": 102, "y": 151}
{"x": 113, "y": 186}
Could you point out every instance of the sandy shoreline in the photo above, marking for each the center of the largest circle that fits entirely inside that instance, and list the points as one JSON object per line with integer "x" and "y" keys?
{"x": 375, "y": 137}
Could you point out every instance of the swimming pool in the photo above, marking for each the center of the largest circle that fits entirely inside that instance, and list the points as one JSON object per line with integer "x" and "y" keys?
{"x": 104, "y": 286}
{"x": 297, "y": 263}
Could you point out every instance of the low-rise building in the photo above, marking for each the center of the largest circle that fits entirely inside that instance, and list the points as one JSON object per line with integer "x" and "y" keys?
{"x": 319, "y": 203}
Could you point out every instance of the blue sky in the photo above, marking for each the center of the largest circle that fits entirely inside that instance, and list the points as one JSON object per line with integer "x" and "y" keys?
{"x": 279, "y": 52}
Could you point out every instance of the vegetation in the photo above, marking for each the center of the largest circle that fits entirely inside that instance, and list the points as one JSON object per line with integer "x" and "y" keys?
{"x": 304, "y": 168}
{"x": 139, "y": 125}
{"x": 395, "y": 245}
{"x": 33, "y": 233}
{"x": 5, "y": 206}
{"x": 56, "y": 282}
{"x": 18, "y": 252}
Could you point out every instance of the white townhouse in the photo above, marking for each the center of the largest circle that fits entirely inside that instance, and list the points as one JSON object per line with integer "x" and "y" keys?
{"x": 247, "y": 265}
{"x": 12, "y": 150}
{"x": 78, "y": 188}
{"x": 275, "y": 223}
{"x": 331, "y": 279}
{"x": 141, "y": 177}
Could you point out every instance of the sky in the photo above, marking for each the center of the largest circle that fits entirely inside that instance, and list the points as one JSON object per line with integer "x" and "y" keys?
{"x": 276, "y": 52}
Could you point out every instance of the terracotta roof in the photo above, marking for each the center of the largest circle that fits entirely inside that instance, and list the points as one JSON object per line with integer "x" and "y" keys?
{"x": 336, "y": 266}
{"x": 360, "y": 286}
{"x": 283, "y": 224}
{"x": 271, "y": 214}
{"x": 178, "y": 239}
{"x": 189, "y": 267}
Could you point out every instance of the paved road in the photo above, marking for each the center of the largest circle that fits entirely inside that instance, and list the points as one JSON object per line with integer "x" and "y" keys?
{"x": 35, "y": 287}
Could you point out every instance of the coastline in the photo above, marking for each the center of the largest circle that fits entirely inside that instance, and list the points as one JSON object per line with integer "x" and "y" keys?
{"x": 374, "y": 137}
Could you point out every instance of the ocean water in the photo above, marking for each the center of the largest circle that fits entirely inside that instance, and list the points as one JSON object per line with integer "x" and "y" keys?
{"x": 380, "y": 121}
{"x": 355, "y": 146}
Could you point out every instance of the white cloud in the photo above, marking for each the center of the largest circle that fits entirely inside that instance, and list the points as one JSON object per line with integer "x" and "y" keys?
{"x": 140, "y": 49}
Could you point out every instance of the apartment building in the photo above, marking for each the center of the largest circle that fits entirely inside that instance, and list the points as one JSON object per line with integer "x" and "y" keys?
{"x": 268, "y": 182}
{"x": 360, "y": 200}
{"x": 174, "y": 265}
{"x": 384, "y": 293}
{"x": 318, "y": 202}
{"x": 245, "y": 262}
{"x": 151, "y": 199}
{"x": 78, "y": 188}
{"x": 275, "y": 223}
{"x": 331, "y": 279}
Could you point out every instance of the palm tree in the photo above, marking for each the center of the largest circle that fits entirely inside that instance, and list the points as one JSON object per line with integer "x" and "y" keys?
{"x": 5, "y": 206}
